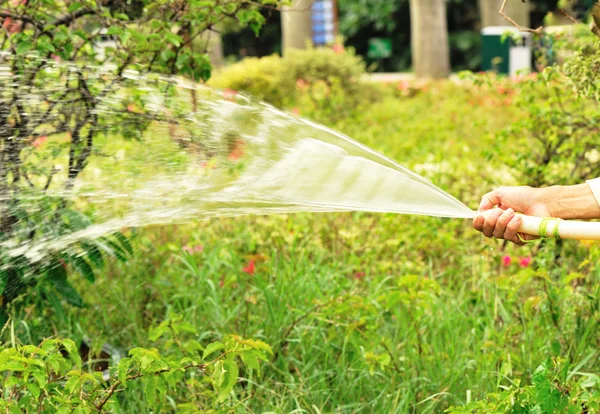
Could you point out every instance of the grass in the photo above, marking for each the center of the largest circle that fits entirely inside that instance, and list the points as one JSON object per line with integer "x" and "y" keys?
{"x": 364, "y": 312}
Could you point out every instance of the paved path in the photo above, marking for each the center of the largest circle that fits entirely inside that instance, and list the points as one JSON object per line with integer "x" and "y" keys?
{"x": 388, "y": 77}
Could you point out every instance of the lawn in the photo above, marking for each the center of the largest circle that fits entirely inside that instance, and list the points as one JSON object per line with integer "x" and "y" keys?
{"x": 364, "y": 312}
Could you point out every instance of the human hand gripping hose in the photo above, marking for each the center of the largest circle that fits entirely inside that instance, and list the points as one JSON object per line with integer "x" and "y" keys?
{"x": 556, "y": 227}
{"x": 554, "y": 209}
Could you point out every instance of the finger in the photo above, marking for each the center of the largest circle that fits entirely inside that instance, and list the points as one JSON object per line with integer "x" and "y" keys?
{"x": 490, "y": 222}
{"x": 490, "y": 200}
{"x": 478, "y": 222}
{"x": 503, "y": 220}
{"x": 512, "y": 228}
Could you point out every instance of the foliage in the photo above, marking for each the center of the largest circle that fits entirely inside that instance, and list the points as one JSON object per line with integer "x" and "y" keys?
{"x": 343, "y": 299}
{"x": 557, "y": 141}
{"x": 554, "y": 389}
{"x": 263, "y": 78}
{"x": 357, "y": 13}
{"x": 53, "y": 378}
{"x": 41, "y": 99}
{"x": 326, "y": 83}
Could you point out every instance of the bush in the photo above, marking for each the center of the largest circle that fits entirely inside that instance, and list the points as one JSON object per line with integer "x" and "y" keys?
{"x": 323, "y": 80}
{"x": 262, "y": 78}
{"x": 557, "y": 141}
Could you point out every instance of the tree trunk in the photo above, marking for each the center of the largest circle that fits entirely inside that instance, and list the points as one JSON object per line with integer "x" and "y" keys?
{"x": 296, "y": 25}
{"x": 515, "y": 9}
{"x": 429, "y": 38}
{"x": 215, "y": 49}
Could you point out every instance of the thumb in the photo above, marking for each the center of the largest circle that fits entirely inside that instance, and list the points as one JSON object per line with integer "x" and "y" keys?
{"x": 490, "y": 200}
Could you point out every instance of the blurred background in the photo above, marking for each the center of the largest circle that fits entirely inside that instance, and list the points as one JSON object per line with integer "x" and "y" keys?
{"x": 382, "y": 32}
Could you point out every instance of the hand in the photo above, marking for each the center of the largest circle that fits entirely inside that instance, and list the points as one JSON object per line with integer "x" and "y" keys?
{"x": 502, "y": 222}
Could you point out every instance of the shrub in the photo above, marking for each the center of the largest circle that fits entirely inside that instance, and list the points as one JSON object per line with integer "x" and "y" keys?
{"x": 557, "y": 141}
{"x": 53, "y": 378}
{"x": 325, "y": 82}
{"x": 262, "y": 78}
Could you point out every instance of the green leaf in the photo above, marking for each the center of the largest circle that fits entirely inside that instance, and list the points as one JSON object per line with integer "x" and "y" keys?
{"x": 74, "y": 7}
{"x": 173, "y": 39}
{"x": 124, "y": 241}
{"x": 24, "y": 46}
{"x": 229, "y": 379}
{"x": 81, "y": 34}
{"x": 161, "y": 387}
{"x": 93, "y": 254}
{"x": 215, "y": 346}
{"x": 57, "y": 277}
{"x": 157, "y": 332}
{"x": 72, "y": 350}
{"x": 250, "y": 360}
{"x": 34, "y": 389}
{"x": 150, "y": 391}
{"x": 73, "y": 381}
{"x": 123, "y": 370}
{"x": 255, "y": 28}
{"x": 83, "y": 267}
{"x": 114, "y": 30}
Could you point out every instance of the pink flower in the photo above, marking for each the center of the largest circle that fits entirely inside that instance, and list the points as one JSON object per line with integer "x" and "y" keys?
{"x": 301, "y": 83}
{"x": 250, "y": 268}
{"x": 296, "y": 111}
{"x": 403, "y": 85}
{"x": 38, "y": 142}
{"x": 193, "y": 249}
{"x": 359, "y": 275}
{"x": 338, "y": 48}
{"x": 237, "y": 152}
{"x": 525, "y": 261}
{"x": 229, "y": 94}
{"x": 506, "y": 260}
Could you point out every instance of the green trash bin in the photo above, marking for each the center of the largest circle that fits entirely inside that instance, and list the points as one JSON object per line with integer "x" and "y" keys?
{"x": 506, "y": 55}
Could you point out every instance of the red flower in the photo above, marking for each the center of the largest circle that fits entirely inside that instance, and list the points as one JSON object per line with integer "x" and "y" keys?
{"x": 359, "y": 275}
{"x": 525, "y": 261}
{"x": 250, "y": 268}
{"x": 506, "y": 260}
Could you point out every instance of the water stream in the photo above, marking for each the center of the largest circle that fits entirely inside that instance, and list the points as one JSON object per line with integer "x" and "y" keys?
{"x": 193, "y": 153}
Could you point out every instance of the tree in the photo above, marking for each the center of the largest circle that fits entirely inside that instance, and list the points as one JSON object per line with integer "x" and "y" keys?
{"x": 429, "y": 38}
{"x": 296, "y": 25}
{"x": 517, "y": 10}
{"x": 41, "y": 99}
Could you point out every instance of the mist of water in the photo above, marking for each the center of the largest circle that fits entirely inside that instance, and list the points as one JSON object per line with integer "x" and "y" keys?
{"x": 206, "y": 154}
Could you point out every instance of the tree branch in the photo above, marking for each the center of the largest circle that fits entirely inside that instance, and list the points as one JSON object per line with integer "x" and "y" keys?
{"x": 69, "y": 18}
{"x": 537, "y": 31}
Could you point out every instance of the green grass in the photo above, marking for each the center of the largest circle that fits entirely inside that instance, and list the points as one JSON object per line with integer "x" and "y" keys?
{"x": 365, "y": 313}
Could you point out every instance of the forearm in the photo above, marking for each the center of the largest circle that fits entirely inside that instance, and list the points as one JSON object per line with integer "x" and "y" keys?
{"x": 571, "y": 202}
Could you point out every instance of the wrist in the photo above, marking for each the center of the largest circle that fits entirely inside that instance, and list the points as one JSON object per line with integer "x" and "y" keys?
{"x": 570, "y": 202}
